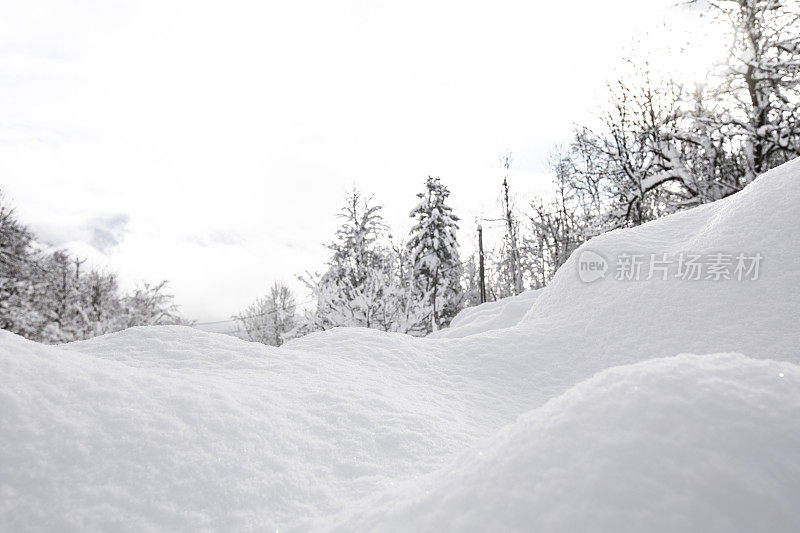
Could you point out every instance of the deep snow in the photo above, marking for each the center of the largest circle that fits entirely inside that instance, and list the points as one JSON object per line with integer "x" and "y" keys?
{"x": 582, "y": 415}
{"x": 489, "y": 316}
{"x": 687, "y": 443}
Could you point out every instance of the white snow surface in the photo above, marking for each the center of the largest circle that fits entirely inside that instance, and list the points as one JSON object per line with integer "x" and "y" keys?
{"x": 687, "y": 443}
{"x": 500, "y": 314}
{"x": 583, "y": 415}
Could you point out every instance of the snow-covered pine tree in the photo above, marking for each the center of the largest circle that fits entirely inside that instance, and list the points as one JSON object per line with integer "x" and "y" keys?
{"x": 353, "y": 291}
{"x": 433, "y": 252}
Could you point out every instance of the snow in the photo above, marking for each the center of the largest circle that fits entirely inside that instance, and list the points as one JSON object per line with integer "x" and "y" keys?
{"x": 757, "y": 318}
{"x": 500, "y": 314}
{"x": 567, "y": 409}
{"x": 686, "y": 443}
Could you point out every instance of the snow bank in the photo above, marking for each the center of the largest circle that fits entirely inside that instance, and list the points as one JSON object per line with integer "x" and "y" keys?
{"x": 172, "y": 428}
{"x": 501, "y": 314}
{"x": 687, "y": 443}
{"x": 757, "y": 318}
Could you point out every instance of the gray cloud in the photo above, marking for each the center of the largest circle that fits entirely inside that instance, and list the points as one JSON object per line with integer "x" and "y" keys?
{"x": 108, "y": 231}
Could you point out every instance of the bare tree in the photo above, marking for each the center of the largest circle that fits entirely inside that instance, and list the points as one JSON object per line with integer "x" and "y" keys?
{"x": 512, "y": 252}
{"x": 758, "y": 87}
{"x": 269, "y": 318}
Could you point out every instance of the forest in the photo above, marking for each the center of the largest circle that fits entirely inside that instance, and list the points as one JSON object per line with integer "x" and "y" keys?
{"x": 660, "y": 145}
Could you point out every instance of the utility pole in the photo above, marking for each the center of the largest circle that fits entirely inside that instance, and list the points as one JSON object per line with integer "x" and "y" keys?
{"x": 480, "y": 262}
{"x": 516, "y": 263}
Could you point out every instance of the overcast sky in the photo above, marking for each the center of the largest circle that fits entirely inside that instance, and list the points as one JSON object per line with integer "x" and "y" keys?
{"x": 211, "y": 143}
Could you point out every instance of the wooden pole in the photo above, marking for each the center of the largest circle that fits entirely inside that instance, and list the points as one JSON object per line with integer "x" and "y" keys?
{"x": 480, "y": 261}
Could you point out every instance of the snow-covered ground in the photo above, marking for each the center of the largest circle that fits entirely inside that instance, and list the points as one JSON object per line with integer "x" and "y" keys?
{"x": 572, "y": 409}
{"x": 491, "y": 315}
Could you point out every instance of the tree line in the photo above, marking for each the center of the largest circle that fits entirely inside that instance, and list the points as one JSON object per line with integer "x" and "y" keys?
{"x": 51, "y": 297}
{"x": 660, "y": 146}
{"x": 413, "y": 287}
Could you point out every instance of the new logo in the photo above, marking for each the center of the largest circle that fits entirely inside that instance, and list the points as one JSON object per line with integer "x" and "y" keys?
{"x": 591, "y": 266}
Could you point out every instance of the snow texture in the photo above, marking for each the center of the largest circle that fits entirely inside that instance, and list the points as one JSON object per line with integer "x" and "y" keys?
{"x": 628, "y": 450}
{"x": 501, "y": 314}
{"x": 581, "y": 416}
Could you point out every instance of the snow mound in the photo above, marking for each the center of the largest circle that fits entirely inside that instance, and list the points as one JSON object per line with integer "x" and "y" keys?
{"x": 576, "y": 328}
{"x": 501, "y": 314}
{"x": 170, "y": 428}
{"x": 687, "y": 443}
{"x": 754, "y": 317}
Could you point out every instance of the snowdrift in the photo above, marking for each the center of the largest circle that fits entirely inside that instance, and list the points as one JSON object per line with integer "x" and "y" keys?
{"x": 581, "y": 415}
{"x": 501, "y": 314}
{"x": 689, "y": 443}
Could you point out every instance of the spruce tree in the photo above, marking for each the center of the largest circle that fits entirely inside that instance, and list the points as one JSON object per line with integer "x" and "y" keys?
{"x": 433, "y": 252}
